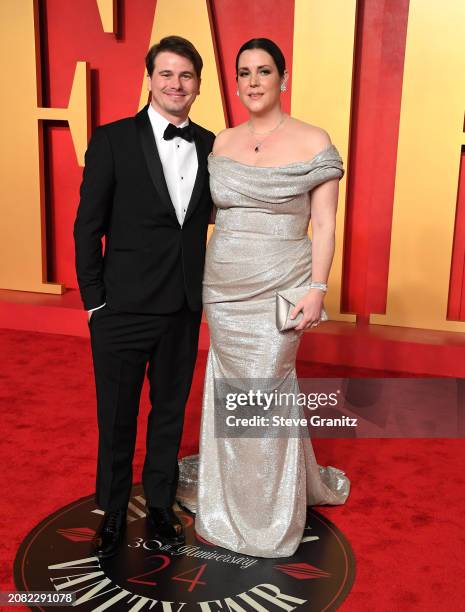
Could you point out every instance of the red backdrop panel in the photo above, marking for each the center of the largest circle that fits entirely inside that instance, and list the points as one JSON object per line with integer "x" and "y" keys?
{"x": 379, "y": 62}
{"x": 456, "y": 308}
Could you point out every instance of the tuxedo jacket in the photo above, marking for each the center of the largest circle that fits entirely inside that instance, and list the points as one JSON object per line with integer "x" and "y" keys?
{"x": 150, "y": 263}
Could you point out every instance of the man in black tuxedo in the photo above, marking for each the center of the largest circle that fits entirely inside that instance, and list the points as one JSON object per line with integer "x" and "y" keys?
{"x": 145, "y": 189}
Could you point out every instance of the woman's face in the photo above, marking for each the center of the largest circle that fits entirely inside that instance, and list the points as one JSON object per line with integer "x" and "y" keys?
{"x": 258, "y": 80}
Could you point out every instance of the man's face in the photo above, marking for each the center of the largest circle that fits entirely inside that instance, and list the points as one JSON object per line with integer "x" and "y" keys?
{"x": 174, "y": 85}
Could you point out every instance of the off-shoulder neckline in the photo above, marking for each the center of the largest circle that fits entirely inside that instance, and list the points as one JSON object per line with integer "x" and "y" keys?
{"x": 297, "y": 163}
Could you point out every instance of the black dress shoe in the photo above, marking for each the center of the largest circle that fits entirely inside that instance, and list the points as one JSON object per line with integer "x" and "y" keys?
{"x": 166, "y": 524}
{"x": 111, "y": 533}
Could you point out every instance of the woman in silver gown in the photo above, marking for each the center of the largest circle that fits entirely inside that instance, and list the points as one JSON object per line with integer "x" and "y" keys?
{"x": 267, "y": 175}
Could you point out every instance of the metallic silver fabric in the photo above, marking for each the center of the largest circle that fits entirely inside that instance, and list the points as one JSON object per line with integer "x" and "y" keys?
{"x": 186, "y": 494}
{"x": 253, "y": 492}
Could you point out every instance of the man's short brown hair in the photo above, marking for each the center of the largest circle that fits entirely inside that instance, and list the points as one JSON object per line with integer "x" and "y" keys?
{"x": 174, "y": 44}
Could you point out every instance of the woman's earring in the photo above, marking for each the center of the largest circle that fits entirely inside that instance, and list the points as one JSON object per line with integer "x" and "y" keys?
{"x": 283, "y": 87}
{"x": 237, "y": 92}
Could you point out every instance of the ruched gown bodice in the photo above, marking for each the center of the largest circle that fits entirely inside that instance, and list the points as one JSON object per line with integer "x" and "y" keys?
{"x": 253, "y": 492}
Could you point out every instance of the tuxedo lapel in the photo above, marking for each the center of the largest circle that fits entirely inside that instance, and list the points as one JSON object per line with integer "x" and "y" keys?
{"x": 152, "y": 158}
{"x": 201, "y": 173}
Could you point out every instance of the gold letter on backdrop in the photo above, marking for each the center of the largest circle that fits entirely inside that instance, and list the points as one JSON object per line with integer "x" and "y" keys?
{"x": 22, "y": 207}
{"x": 324, "y": 34}
{"x": 428, "y": 161}
{"x": 107, "y": 12}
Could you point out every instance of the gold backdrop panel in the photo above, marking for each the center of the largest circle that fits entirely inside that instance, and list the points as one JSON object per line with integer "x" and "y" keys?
{"x": 428, "y": 159}
{"x": 324, "y": 34}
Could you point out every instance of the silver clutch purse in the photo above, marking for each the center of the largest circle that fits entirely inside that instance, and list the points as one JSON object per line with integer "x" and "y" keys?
{"x": 286, "y": 299}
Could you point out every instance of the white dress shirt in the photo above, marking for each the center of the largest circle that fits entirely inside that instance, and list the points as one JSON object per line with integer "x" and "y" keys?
{"x": 179, "y": 161}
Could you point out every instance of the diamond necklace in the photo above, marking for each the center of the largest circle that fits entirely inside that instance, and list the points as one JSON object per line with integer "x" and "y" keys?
{"x": 252, "y": 131}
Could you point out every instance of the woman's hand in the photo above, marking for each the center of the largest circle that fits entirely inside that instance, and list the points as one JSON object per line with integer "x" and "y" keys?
{"x": 310, "y": 306}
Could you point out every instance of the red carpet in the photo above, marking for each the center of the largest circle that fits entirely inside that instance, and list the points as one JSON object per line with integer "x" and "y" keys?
{"x": 405, "y": 517}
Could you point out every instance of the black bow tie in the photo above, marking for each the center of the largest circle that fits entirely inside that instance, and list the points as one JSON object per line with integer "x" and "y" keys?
{"x": 185, "y": 132}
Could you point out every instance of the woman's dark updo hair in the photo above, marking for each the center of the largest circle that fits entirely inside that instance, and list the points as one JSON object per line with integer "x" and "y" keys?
{"x": 266, "y": 45}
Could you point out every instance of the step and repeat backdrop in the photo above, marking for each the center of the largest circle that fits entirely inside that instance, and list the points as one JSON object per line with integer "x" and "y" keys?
{"x": 383, "y": 77}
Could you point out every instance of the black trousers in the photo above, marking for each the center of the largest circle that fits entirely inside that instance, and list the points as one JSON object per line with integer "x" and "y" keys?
{"x": 122, "y": 346}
